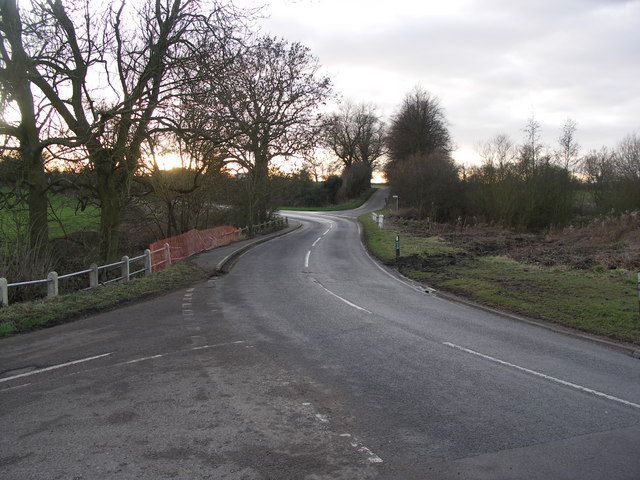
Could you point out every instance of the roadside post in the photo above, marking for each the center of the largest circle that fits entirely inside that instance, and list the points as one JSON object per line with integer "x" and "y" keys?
{"x": 398, "y": 247}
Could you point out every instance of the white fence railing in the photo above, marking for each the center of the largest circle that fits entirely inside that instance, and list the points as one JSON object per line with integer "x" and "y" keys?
{"x": 279, "y": 221}
{"x": 53, "y": 279}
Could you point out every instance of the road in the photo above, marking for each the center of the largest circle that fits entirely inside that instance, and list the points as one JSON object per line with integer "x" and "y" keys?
{"x": 311, "y": 361}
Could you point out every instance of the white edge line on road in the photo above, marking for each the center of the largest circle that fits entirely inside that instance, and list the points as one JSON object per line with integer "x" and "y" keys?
{"x": 54, "y": 367}
{"x": 406, "y": 284}
{"x": 306, "y": 259}
{"x": 343, "y": 299}
{"x": 316, "y": 242}
{"x": 546, "y": 377}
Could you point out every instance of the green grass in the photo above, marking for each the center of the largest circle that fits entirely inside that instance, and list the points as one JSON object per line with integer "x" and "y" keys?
{"x": 27, "y": 316}
{"x": 64, "y": 218}
{"x": 598, "y": 302}
{"x": 381, "y": 242}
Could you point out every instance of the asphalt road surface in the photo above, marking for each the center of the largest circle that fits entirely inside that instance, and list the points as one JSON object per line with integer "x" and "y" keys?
{"x": 311, "y": 361}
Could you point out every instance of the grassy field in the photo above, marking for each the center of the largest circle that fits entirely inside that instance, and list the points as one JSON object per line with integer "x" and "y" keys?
{"x": 64, "y": 218}
{"x": 27, "y": 316}
{"x": 598, "y": 301}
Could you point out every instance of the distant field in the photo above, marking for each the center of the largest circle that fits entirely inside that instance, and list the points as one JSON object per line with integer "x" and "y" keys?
{"x": 64, "y": 218}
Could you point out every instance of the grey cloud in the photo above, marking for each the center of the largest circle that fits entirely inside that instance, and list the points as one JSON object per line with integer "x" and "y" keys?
{"x": 498, "y": 62}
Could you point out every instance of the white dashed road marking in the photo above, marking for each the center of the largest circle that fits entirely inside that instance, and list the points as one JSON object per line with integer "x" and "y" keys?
{"x": 55, "y": 367}
{"x": 546, "y": 377}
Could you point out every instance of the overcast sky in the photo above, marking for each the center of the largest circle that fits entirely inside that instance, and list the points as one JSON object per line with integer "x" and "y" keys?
{"x": 492, "y": 63}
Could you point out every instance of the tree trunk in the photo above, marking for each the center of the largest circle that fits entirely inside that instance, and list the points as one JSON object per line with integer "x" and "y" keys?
{"x": 113, "y": 191}
{"x": 260, "y": 200}
{"x": 38, "y": 226}
{"x": 28, "y": 133}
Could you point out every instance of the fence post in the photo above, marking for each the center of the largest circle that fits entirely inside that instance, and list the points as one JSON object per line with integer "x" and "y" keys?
{"x": 147, "y": 262}
{"x": 93, "y": 276}
{"x": 52, "y": 284}
{"x": 125, "y": 268}
{"x": 4, "y": 292}
{"x": 167, "y": 254}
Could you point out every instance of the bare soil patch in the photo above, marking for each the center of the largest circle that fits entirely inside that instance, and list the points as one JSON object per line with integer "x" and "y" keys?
{"x": 605, "y": 243}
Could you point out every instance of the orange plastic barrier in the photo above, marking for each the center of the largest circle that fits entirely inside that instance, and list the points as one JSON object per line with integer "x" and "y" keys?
{"x": 175, "y": 249}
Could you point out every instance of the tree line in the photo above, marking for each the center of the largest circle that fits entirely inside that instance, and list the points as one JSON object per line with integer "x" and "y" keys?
{"x": 101, "y": 87}
{"x": 101, "y": 90}
{"x": 527, "y": 186}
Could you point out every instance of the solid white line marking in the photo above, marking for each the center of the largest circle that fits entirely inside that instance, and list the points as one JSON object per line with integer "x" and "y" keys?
{"x": 316, "y": 242}
{"x": 546, "y": 377}
{"x": 54, "y": 367}
{"x": 328, "y": 230}
{"x": 343, "y": 299}
{"x": 306, "y": 259}
{"x": 406, "y": 284}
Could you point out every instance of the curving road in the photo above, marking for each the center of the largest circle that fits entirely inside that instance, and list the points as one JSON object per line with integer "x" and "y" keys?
{"x": 311, "y": 361}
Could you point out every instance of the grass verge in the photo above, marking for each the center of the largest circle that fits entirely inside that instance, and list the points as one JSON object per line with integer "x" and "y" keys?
{"x": 27, "y": 316}
{"x": 597, "y": 302}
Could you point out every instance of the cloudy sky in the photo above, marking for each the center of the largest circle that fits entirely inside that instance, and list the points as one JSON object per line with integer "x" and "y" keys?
{"x": 492, "y": 63}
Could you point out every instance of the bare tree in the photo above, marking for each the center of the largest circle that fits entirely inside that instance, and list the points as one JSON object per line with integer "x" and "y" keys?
{"x": 356, "y": 133}
{"x": 499, "y": 152}
{"x": 111, "y": 73}
{"x": 532, "y": 148}
{"x": 319, "y": 166}
{"x": 23, "y": 136}
{"x": 418, "y": 128}
{"x": 268, "y": 104}
{"x": 568, "y": 154}
{"x": 418, "y": 133}
{"x": 340, "y": 134}
{"x": 628, "y": 158}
